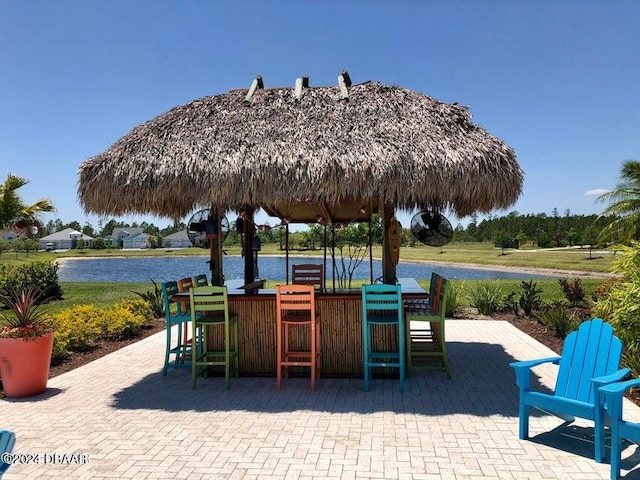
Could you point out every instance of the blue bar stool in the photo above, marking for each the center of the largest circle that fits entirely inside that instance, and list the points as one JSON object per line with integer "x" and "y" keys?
{"x": 382, "y": 306}
{"x": 174, "y": 315}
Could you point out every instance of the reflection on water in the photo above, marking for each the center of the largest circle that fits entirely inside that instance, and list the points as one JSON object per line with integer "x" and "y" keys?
{"x": 162, "y": 269}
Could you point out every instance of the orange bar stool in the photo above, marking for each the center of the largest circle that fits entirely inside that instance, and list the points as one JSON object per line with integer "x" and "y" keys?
{"x": 296, "y": 306}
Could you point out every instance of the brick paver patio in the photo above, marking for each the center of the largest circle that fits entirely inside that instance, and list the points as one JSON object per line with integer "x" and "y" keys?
{"x": 125, "y": 420}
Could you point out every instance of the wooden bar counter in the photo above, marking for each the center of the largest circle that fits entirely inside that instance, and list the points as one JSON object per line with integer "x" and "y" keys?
{"x": 341, "y": 329}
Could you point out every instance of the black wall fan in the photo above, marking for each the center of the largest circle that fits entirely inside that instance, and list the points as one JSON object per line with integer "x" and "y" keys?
{"x": 431, "y": 228}
{"x": 199, "y": 226}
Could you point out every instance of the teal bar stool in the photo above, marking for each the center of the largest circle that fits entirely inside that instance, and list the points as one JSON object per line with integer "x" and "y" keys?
{"x": 210, "y": 308}
{"x": 175, "y": 316}
{"x": 382, "y": 306}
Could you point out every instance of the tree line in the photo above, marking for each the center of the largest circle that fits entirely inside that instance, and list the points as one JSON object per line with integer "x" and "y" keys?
{"x": 540, "y": 230}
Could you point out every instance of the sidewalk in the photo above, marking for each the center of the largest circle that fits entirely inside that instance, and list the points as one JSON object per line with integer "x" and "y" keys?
{"x": 131, "y": 422}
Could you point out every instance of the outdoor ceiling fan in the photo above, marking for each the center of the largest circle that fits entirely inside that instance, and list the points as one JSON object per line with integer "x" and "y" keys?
{"x": 431, "y": 228}
{"x": 200, "y": 226}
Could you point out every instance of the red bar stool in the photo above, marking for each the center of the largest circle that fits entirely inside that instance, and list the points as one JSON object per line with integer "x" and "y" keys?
{"x": 296, "y": 306}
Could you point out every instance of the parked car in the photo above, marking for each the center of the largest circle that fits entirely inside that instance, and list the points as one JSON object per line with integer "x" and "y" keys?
{"x": 48, "y": 247}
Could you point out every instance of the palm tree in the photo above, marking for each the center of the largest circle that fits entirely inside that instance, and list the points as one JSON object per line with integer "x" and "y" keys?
{"x": 625, "y": 206}
{"x": 14, "y": 213}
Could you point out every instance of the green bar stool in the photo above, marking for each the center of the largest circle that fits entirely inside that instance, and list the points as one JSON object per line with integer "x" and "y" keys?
{"x": 210, "y": 308}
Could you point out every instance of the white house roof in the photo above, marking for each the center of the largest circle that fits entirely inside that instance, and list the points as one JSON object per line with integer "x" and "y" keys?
{"x": 129, "y": 232}
{"x": 137, "y": 238}
{"x": 181, "y": 235}
{"x": 65, "y": 234}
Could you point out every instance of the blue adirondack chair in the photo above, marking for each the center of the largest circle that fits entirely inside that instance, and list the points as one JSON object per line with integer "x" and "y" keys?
{"x": 590, "y": 359}
{"x": 619, "y": 428}
{"x": 7, "y": 441}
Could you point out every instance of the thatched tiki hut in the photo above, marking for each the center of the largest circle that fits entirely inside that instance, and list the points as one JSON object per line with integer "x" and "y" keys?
{"x": 341, "y": 153}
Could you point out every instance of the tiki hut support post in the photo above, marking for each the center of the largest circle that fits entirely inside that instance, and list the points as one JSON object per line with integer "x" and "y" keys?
{"x": 388, "y": 267}
{"x": 370, "y": 251}
{"x": 215, "y": 247}
{"x": 286, "y": 250}
{"x": 249, "y": 233}
{"x": 333, "y": 257}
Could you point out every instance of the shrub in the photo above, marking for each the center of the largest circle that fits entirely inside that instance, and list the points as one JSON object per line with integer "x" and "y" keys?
{"x": 530, "y": 297}
{"x": 602, "y": 290}
{"x": 486, "y": 297}
{"x": 573, "y": 291}
{"x": 40, "y": 276}
{"x": 78, "y": 328}
{"x": 120, "y": 322}
{"x": 558, "y": 319}
{"x": 619, "y": 304}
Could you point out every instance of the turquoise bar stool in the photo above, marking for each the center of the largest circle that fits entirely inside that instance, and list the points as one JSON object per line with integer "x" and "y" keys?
{"x": 382, "y": 306}
{"x": 210, "y": 308}
{"x": 175, "y": 316}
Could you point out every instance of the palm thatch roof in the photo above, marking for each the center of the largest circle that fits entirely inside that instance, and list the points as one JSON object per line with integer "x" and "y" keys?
{"x": 279, "y": 149}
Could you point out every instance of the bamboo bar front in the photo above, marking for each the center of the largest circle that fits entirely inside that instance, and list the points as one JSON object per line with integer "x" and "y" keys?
{"x": 341, "y": 331}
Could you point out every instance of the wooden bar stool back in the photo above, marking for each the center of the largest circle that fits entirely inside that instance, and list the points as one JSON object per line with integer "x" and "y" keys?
{"x": 308, "y": 274}
{"x": 295, "y": 307}
{"x": 184, "y": 285}
{"x": 427, "y": 347}
{"x": 200, "y": 280}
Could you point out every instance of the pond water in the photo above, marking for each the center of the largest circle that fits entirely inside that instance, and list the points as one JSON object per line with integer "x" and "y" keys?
{"x": 162, "y": 269}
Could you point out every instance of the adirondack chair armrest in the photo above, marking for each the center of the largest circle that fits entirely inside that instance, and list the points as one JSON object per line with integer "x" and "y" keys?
{"x": 619, "y": 388}
{"x": 613, "y": 378}
{"x": 7, "y": 442}
{"x": 528, "y": 364}
{"x": 523, "y": 370}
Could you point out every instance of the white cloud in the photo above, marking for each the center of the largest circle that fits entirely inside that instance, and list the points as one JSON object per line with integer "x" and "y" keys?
{"x": 596, "y": 191}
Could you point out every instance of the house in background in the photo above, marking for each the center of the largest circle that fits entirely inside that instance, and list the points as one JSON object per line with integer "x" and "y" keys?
{"x": 119, "y": 235}
{"x": 176, "y": 240}
{"x": 137, "y": 241}
{"x": 65, "y": 240}
{"x": 8, "y": 235}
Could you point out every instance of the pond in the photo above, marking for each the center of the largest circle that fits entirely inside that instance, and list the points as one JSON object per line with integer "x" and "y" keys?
{"x": 162, "y": 269}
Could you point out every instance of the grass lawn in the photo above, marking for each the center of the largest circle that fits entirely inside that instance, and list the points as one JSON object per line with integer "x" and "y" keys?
{"x": 106, "y": 294}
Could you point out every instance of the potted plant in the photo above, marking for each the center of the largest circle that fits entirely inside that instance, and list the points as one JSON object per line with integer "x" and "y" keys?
{"x": 26, "y": 343}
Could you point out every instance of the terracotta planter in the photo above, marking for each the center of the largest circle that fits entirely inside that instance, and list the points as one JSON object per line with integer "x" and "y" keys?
{"x": 24, "y": 365}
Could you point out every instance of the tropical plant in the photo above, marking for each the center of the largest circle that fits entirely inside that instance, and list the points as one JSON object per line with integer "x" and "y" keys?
{"x": 14, "y": 212}
{"x": 154, "y": 299}
{"x": 573, "y": 291}
{"x": 25, "y": 319}
{"x": 626, "y": 205}
{"x": 511, "y": 304}
{"x": 530, "y": 297}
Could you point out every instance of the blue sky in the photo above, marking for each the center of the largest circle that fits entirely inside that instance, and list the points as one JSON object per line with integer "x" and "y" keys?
{"x": 558, "y": 81}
